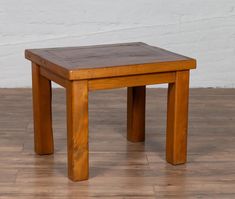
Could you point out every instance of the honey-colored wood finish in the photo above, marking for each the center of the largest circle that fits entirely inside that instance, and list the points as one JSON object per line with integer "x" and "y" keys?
{"x": 54, "y": 77}
{"x": 77, "y": 127}
{"x": 177, "y": 119}
{"x": 84, "y": 69}
{"x": 43, "y": 135}
{"x": 131, "y": 80}
{"x": 136, "y": 113}
{"x": 113, "y": 60}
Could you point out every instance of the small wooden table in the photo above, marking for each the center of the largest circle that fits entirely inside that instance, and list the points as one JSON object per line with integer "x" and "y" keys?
{"x": 84, "y": 69}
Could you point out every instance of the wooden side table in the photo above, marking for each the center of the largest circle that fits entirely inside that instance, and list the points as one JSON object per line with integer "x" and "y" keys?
{"x": 84, "y": 69}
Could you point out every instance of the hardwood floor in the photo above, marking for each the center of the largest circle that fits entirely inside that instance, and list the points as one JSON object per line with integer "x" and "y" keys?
{"x": 120, "y": 169}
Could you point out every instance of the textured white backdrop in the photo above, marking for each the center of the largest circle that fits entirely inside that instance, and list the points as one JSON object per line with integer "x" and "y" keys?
{"x": 203, "y": 29}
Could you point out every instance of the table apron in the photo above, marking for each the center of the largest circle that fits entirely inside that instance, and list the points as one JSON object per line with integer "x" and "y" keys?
{"x": 132, "y": 80}
{"x": 115, "y": 82}
{"x": 54, "y": 77}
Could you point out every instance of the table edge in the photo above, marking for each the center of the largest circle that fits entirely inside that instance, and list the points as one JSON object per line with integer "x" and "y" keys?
{"x": 111, "y": 71}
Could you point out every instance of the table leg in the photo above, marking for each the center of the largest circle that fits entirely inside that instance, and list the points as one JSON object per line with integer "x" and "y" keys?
{"x": 77, "y": 124}
{"x": 43, "y": 135}
{"x": 177, "y": 119}
{"x": 136, "y": 113}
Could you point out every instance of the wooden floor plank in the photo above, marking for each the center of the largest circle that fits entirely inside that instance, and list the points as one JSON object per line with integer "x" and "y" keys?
{"x": 120, "y": 169}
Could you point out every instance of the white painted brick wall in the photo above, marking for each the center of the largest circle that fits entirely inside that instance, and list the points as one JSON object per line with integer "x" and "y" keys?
{"x": 204, "y": 29}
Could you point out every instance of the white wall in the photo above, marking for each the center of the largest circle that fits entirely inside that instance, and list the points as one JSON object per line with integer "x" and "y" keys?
{"x": 203, "y": 29}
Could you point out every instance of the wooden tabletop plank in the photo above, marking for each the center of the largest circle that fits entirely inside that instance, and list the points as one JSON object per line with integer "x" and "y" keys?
{"x": 108, "y": 60}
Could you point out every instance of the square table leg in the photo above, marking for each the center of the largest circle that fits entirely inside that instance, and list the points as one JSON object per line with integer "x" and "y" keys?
{"x": 136, "y": 113}
{"x": 177, "y": 119}
{"x": 43, "y": 135}
{"x": 77, "y": 124}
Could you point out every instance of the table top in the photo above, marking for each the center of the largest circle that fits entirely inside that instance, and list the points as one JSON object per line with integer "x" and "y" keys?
{"x": 108, "y": 60}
